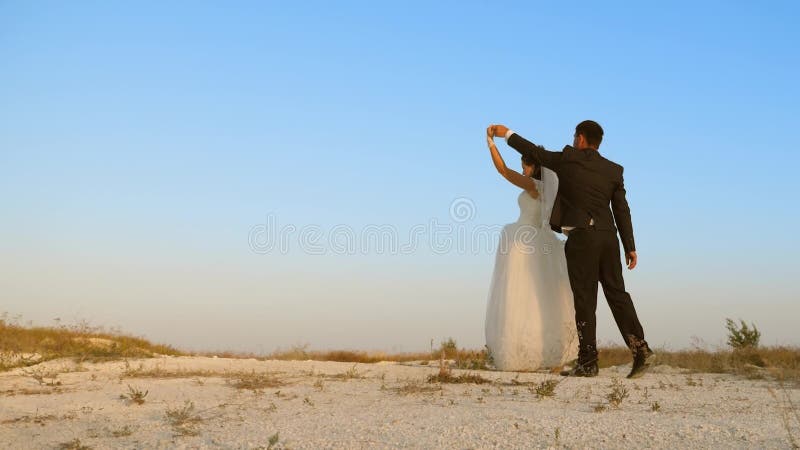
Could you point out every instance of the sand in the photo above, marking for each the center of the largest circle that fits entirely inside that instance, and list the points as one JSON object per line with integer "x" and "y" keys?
{"x": 318, "y": 405}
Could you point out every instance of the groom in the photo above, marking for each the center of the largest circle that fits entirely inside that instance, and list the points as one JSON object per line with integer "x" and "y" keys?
{"x": 588, "y": 183}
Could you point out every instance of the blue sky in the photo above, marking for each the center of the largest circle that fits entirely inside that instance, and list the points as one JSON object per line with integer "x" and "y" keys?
{"x": 140, "y": 143}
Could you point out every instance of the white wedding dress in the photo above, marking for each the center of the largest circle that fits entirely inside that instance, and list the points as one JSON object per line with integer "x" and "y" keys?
{"x": 530, "y": 317}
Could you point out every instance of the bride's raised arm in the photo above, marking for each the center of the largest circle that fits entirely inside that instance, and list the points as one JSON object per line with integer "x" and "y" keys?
{"x": 514, "y": 177}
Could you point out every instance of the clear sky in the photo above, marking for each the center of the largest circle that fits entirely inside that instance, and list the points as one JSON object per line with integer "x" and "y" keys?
{"x": 142, "y": 143}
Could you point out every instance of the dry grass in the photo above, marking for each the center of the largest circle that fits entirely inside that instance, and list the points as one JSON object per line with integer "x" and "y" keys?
{"x": 655, "y": 406}
{"x": 184, "y": 419}
{"x": 25, "y": 391}
{"x": 255, "y": 381}
{"x": 778, "y": 362}
{"x": 44, "y": 377}
{"x": 350, "y": 374}
{"x": 160, "y": 372}
{"x": 240, "y": 380}
{"x": 617, "y": 394}
{"x": 134, "y": 395}
{"x": 74, "y": 444}
{"x": 415, "y": 387}
{"x": 301, "y": 353}
{"x": 463, "y": 358}
{"x": 546, "y": 388}
{"x": 445, "y": 375}
{"x": 462, "y": 378}
{"x": 122, "y": 432}
{"x": 22, "y": 346}
{"x": 36, "y": 418}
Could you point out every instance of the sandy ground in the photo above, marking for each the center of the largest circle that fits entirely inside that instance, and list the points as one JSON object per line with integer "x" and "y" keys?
{"x": 384, "y": 405}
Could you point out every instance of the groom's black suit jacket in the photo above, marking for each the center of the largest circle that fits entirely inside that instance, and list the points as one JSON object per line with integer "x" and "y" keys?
{"x": 587, "y": 183}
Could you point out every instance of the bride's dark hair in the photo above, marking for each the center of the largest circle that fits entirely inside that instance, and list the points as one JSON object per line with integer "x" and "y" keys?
{"x": 537, "y": 170}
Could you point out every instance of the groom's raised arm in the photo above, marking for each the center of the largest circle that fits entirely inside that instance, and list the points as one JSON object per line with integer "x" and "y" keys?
{"x": 535, "y": 152}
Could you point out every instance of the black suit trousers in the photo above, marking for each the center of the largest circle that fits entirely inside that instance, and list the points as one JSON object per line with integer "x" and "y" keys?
{"x": 593, "y": 256}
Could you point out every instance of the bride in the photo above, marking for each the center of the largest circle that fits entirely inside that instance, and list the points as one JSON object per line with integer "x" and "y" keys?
{"x": 530, "y": 317}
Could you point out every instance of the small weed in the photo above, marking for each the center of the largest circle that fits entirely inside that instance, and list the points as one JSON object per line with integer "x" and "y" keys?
{"x": 546, "y": 388}
{"x": 184, "y": 419}
{"x": 352, "y": 373}
{"x": 255, "y": 381}
{"x": 463, "y": 378}
{"x": 349, "y": 374}
{"x": 134, "y": 395}
{"x": 655, "y": 406}
{"x": 445, "y": 375}
{"x": 273, "y": 441}
{"x": 415, "y": 387}
{"x": 122, "y": 432}
{"x": 74, "y": 444}
{"x": 618, "y": 393}
{"x": 44, "y": 378}
{"x": 449, "y": 348}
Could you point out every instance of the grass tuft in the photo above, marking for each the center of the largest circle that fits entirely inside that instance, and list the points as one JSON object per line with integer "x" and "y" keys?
{"x": 74, "y": 444}
{"x": 134, "y": 395}
{"x": 463, "y": 378}
{"x": 255, "y": 381}
{"x": 779, "y": 362}
{"x": 546, "y": 388}
{"x": 618, "y": 393}
{"x": 22, "y": 346}
{"x": 184, "y": 419}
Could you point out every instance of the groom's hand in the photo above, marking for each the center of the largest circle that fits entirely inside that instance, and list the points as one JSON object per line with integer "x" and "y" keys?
{"x": 630, "y": 259}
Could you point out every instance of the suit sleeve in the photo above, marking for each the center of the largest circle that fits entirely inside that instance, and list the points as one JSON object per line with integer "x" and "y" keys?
{"x": 622, "y": 216}
{"x": 537, "y": 153}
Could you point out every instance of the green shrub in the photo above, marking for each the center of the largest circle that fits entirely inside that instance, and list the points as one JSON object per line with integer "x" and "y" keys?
{"x": 742, "y": 336}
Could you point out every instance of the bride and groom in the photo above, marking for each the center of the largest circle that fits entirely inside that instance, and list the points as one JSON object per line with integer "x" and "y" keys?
{"x": 543, "y": 293}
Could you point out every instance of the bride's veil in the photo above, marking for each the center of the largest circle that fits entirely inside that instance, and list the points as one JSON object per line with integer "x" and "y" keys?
{"x": 548, "y": 194}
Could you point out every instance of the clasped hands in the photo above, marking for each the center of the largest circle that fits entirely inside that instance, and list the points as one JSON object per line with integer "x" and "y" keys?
{"x": 496, "y": 130}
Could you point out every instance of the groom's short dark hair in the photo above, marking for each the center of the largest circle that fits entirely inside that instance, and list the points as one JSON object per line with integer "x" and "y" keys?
{"x": 592, "y": 131}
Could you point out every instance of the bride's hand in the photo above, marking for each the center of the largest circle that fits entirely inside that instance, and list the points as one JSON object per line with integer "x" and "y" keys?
{"x": 490, "y": 131}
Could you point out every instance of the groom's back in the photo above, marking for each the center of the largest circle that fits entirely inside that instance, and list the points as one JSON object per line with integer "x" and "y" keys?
{"x": 587, "y": 184}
